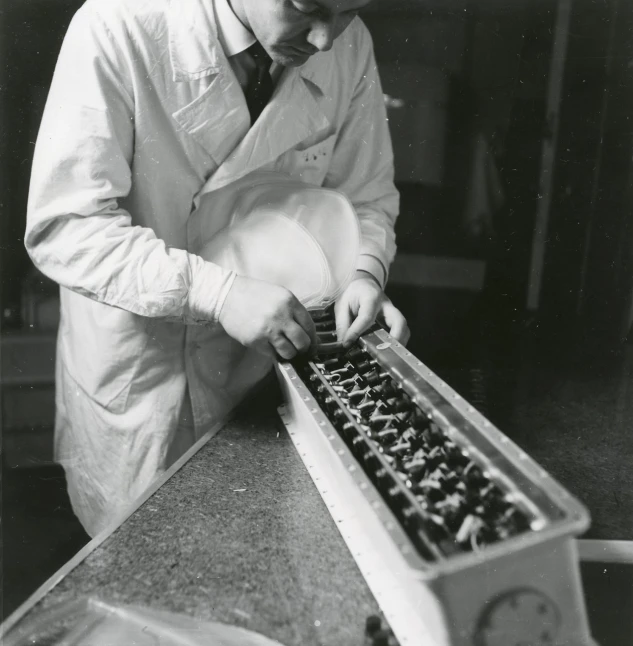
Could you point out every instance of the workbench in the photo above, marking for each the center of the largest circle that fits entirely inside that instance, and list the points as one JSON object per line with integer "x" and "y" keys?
{"x": 237, "y": 534}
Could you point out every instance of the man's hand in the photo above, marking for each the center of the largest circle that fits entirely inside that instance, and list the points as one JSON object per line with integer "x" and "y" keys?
{"x": 359, "y": 306}
{"x": 267, "y": 317}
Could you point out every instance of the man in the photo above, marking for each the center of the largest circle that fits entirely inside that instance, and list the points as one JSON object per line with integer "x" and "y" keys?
{"x": 149, "y": 108}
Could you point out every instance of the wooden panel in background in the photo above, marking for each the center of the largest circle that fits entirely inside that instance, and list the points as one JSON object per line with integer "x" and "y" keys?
{"x": 588, "y": 271}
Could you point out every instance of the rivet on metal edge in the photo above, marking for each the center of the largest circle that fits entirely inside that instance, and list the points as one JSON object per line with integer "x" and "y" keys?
{"x": 322, "y": 423}
{"x": 293, "y": 376}
{"x": 543, "y": 473}
{"x": 363, "y": 485}
{"x": 351, "y": 468}
{"x": 375, "y": 504}
{"x": 331, "y": 437}
{"x": 389, "y": 525}
{"x": 314, "y": 410}
{"x": 341, "y": 452}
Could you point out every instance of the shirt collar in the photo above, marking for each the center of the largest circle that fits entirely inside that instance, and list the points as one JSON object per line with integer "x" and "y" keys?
{"x": 233, "y": 35}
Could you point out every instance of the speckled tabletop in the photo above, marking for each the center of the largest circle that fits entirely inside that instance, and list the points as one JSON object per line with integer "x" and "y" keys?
{"x": 239, "y": 535}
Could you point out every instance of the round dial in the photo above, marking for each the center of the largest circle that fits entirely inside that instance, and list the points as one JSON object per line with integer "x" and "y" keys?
{"x": 522, "y": 617}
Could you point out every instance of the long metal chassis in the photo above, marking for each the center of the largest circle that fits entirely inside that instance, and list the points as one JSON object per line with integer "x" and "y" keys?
{"x": 420, "y": 599}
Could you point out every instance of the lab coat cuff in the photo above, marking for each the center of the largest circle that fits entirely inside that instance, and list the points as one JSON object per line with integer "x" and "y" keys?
{"x": 372, "y": 266}
{"x": 209, "y": 287}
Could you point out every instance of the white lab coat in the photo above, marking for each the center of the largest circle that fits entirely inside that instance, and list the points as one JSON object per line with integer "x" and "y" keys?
{"x": 144, "y": 116}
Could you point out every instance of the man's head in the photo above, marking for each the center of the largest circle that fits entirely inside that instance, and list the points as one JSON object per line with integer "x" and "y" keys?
{"x": 292, "y": 30}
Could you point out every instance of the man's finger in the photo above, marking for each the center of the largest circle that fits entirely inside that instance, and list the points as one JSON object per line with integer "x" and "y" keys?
{"x": 284, "y": 348}
{"x": 364, "y": 320}
{"x": 395, "y": 322}
{"x": 303, "y": 318}
{"x": 343, "y": 318}
{"x": 401, "y": 333}
{"x": 298, "y": 337}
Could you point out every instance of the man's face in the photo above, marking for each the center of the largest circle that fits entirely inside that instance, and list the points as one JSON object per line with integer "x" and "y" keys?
{"x": 292, "y": 30}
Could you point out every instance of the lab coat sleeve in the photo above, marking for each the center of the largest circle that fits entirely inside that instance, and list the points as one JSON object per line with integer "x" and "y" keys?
{"x": 362, "y": 163}
{"x": 76, "y": 233}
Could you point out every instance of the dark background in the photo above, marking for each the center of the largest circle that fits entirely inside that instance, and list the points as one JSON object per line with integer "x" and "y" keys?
{"x": 460, "y": 75}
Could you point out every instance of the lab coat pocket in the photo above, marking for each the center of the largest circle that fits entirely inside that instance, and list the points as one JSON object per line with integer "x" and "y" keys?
{"x": 101, "y": 347}
{"x": 206, "y": 117}
{"x": 308, "y": 161}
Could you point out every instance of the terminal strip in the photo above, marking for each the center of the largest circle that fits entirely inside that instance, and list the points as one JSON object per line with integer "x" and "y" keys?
{"x": 444, "y": 500}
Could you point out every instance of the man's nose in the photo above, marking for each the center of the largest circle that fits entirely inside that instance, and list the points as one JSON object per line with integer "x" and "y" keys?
{"x": 321, "y": 35}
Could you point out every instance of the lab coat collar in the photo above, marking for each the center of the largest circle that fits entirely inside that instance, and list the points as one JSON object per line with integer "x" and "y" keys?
{"x": 233, "y": 35}
{"x": 318, "y": 69}
{"x": 193, "y": 39}
{"x": 293, "y": 114}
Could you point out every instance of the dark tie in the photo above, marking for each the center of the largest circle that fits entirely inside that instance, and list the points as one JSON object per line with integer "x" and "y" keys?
{"x": 260, "y": 84}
